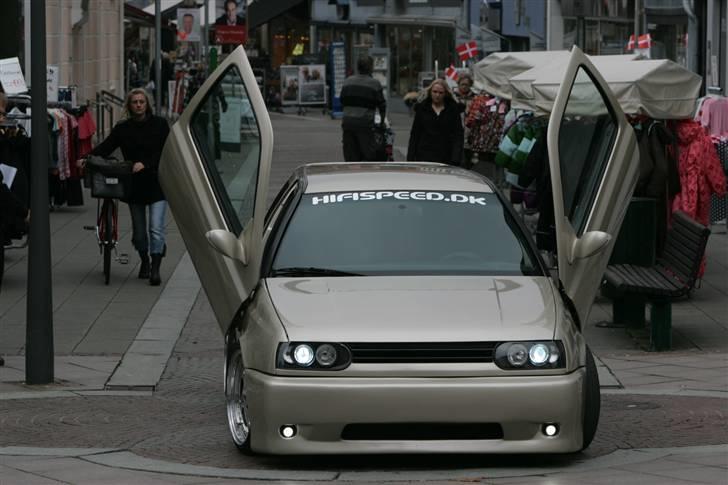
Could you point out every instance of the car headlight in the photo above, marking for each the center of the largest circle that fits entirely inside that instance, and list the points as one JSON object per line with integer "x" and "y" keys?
{"x": 313, "y": 356}
{"x": 547, "y": 354}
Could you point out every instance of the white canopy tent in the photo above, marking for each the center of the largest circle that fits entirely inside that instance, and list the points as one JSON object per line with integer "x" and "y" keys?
{"x": 660, "y": 89}
{"x": 492, "y": 73}
{"x": 521, "y": 84}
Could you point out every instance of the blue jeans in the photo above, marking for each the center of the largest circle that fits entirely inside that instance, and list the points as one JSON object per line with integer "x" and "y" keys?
{"x": 154, "y": 244}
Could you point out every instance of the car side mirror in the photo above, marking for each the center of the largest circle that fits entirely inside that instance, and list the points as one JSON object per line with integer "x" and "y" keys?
{"x": 589, "y": 244}
{"x": 228, "y": 244}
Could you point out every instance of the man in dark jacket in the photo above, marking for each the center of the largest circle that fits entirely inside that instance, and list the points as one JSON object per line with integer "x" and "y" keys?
{"x": 361, "y": 97}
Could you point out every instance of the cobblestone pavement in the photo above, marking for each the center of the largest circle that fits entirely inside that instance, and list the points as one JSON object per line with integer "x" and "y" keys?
{"x": 184, "y": 421}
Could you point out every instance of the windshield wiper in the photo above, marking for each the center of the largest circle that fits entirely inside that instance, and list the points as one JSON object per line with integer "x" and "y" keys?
{"x": 310, "y": 271}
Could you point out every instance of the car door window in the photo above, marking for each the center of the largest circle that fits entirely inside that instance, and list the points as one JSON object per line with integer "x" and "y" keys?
{"x": 226, "y": 134}
{"x": 586, "y": 138}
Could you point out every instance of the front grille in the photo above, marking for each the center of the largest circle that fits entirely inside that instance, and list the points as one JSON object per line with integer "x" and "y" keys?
{"x": 421, "y": 352}
{"x": 421, "y": 431}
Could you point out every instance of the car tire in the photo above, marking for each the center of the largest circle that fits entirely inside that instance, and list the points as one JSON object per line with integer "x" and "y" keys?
{"x": 235, "y": 399}
{"x": 592, "y": 401}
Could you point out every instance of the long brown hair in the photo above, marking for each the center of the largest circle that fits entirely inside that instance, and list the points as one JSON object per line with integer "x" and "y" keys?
{"x": 134, "y": 92}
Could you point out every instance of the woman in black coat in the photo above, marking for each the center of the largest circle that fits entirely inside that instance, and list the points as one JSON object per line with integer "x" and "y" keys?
{"x": 437, "y": 130}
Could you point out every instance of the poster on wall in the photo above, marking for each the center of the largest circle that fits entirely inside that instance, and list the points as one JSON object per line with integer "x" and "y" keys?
{"x": 230, "y": 22}
{"x": 52, "y": 74}
{"x": 312, "y": 84}
{"x": 230, "y": 12}
{"x": 188, "y": 24}
{"x": 11, "y": 76}
{"x": 289, "y": 84}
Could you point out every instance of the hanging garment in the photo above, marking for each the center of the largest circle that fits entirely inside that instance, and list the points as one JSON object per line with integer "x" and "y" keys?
{"x": 718, "y": 203}
{"x": 700, "y": 174}
{"x": 485, "y": 120}
{"x": 713, "y": 115}
{"x": 86, "y": 131}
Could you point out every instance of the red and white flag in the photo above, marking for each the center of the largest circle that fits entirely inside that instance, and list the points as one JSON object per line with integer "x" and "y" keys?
{"x": 451, "y": 73}
{"x": 644, "y": 41}
{"x": 467, "y": 50}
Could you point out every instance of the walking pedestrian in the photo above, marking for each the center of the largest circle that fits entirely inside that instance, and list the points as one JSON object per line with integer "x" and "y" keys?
{"x": 437, "y": 130}
{"x": 13, "y": 212}
{"x": 141, "y": 137}
{"x": 362, "y": 97}
{"x": 464, "y": 95}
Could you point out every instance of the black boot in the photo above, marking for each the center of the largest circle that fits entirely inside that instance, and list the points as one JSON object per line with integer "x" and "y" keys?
{"x": 154, "y": 278}
{"x": 144, "y": 266}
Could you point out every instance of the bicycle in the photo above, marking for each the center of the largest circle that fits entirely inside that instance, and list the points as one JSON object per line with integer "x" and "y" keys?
{"x": 109, "y": 181}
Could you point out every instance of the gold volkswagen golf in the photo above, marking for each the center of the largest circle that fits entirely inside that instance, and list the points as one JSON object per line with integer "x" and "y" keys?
{"x": 398, "y": 307}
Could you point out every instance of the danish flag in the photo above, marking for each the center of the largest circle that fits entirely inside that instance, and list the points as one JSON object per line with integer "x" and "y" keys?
{"x": 467, "y": 50}
{"x": 644, "y": 41}
{"x": 451, "y": 73}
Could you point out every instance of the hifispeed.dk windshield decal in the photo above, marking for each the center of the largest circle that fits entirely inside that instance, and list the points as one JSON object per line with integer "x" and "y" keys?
{"x": 457, "y": 198}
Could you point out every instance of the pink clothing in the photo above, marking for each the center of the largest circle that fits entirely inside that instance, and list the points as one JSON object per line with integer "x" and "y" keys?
{"x": 713, "y": 115}
{"x": 700, "y": 173}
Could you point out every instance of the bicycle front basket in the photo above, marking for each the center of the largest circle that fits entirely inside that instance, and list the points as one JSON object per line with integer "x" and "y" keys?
{"x": 110, "y": 178}
{"x": 110, "y": 187}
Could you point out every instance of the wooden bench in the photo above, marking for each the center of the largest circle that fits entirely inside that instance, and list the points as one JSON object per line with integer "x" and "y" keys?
{"x": 673, "y": 276}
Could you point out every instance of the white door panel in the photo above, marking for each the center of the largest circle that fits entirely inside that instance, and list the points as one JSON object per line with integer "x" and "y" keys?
{"x": 214, "y": 171}
{"x": 594, "y": 164}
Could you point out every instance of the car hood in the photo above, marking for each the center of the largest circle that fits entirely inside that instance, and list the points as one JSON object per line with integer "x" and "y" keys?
{"x": 415, "y": 308}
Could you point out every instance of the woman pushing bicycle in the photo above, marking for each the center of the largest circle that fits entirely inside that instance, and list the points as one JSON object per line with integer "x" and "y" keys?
{"x": 141, "y": 137}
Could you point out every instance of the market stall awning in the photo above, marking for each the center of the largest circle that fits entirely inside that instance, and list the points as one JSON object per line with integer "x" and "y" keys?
{"x": 138, "y": 16}
{"x": 520, "y": 86}
{"x": 262, "y": 11}
{"x": 660, "y": 89}
{"x": 492, "y": 73}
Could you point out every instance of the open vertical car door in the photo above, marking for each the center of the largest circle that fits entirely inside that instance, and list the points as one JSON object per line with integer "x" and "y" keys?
{"x": 214, "y": 171}
{"x": 594, "y": 164}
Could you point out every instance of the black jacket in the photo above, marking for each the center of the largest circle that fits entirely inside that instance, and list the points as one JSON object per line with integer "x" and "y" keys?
{"x": 436, "y": 138}
{"x": 12, "y": 213}
{"x": 361, "y": 95}
{"x": 139, "y": 141}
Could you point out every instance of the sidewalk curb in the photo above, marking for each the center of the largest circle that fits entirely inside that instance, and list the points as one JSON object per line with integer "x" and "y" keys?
{"x": 144, "y": 362}
{"x": 122, "y": 459}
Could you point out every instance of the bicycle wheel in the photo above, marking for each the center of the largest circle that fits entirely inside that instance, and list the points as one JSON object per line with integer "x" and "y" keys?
{"x": 108, "y": 238}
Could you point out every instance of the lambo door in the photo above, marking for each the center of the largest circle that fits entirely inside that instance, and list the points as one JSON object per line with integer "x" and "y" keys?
{"x": 214, "y": 171}
{"x": 594, "y": 163}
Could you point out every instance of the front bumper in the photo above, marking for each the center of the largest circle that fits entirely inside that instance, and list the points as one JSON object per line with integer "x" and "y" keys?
{"x": 320, "y": 408}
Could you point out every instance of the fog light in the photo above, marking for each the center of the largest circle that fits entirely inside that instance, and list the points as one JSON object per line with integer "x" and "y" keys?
{"x": 288, "y": 431}
{"x": 550, "y": 429}
{"x": 303, "y": 355}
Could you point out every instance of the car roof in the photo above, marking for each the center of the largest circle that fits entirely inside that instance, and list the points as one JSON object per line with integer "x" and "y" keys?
{"x": 358, "y": 176}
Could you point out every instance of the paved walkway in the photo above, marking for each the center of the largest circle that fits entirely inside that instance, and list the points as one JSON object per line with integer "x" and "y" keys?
{"x": 118, "y": 340}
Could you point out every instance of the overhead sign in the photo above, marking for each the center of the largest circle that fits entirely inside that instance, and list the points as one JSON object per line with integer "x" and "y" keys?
{"x": 230, "y": 34}
{"x": 11, "y": 76}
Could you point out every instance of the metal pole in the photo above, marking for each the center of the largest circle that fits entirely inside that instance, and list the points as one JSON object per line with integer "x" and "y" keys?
{"x": 206, "y": 39}
{"x": 39, "y": 326}
{"x": 158, "y": 56}
{"x": 636, "y": 22}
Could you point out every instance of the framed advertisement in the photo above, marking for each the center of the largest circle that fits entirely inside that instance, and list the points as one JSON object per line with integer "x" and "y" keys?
{"x": 289, "y": 85}
{"x": 312, "y": 84}
{"x": 188, "y": 25}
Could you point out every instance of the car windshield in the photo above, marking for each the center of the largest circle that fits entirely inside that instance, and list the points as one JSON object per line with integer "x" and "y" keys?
{"x": 402, "y": 233}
